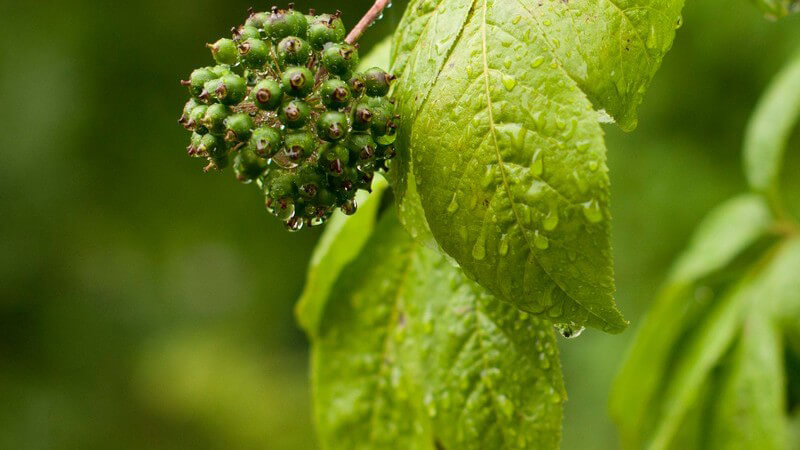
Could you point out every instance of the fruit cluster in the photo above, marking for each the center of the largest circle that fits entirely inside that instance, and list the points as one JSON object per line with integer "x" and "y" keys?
{"x": 287, "y": 107}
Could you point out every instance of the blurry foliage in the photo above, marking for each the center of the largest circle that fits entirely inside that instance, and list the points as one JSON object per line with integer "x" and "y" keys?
{"x": 146, "y": 305}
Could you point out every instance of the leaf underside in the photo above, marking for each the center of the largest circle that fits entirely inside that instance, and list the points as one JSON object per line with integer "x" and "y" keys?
{"x": 502, "y": 142}
{"x": 413, "y": 355}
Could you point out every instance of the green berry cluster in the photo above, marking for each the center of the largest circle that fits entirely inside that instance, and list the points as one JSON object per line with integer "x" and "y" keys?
{"x": 287, "y": 108}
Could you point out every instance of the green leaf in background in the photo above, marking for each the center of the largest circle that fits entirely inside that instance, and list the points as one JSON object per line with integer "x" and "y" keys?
{"x": 413, "y": 355}
{"x": 727, "y": 232}
{"x": 741, "y": 321}
{"x": 342, "y": 240}
{"x": 775, "y": 9}
{"x": 502, "y": 135}
{"x": 749, "y": 413}
{"x": 769, "y": 131}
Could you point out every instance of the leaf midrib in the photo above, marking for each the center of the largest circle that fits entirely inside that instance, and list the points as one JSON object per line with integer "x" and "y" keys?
{"x": 501, "y": 165}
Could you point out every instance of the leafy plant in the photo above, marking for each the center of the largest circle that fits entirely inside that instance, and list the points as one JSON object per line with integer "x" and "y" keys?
{"x": 713, "y": 363}
{"x": 442, "y": 337}
{"x": 432, "y": 323}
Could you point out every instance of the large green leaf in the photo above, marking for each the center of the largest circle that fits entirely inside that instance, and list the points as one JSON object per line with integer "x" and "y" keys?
{"x": 726, "y": 233}
{"x": 501, "y": 132}
{"x": 413, "y": 355}
{"x": 770, "y": 128}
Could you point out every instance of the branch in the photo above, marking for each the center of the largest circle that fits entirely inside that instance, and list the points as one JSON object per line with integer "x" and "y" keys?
{"x": 369, "y": 18}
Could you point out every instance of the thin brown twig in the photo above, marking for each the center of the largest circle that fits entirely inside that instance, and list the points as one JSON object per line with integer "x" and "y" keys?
{"x": 369, "y": 18}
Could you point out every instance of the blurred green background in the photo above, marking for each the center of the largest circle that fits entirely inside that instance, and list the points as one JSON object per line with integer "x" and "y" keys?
{"x": 144, "y": 304}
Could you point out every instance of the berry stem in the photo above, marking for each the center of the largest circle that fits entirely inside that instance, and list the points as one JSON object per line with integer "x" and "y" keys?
{"x": 369, "y": 18}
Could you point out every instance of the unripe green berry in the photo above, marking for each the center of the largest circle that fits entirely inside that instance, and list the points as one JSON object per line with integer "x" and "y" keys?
{"x": 335, "y": 93}
{"x": 333, "y": 159}
{"x": 267, "y": 94}
{"x": 299, "y": 145}
{"x": 293, "y": 51}
{"x": 281, "y": 24}
{"x": 357, "y": 83}
{"x": 347, "y": 181}
{"x": 326, "y": 28}
{"x": 214, "y": 118}
{"x": 309, "y": 181}
{"x": 246, "y": 32}
{"x": 281, "y": 185}
{"x": 362, "y": 116}
{"x": 254, "y": 53}
{"x": 340, "y": 59}
{"x": 198, "y": 80}
{"x": 239, "y": 127}
{"x": 225, "y": 51}
{"x": 247, "y": 165}
{"x": 194, "y": 144}
{"x": 377, "y": 82}
{"x": 332, "y": 126}
{"x": 297, "y": 81}
{"x": 187, "y": 109}
{"x": 231, "y": 90}
{"x": 257, "y": 19}
{"x": 295, "y": 113}
{"x": 212, "y": 146}
{"x": 197, "y": 119}
{"x": 362, "y": 147}
{"x": 265, "y": 141}
{"x": 209, "y": 94}
{"x": 382, "y": 122}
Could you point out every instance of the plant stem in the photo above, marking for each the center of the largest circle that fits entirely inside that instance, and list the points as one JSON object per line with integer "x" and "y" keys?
{"x": 369, "y": 18}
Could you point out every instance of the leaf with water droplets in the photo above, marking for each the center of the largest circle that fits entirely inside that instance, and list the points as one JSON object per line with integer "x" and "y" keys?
{"x": 502, "y": 137}
{"x": 411, "y": 354}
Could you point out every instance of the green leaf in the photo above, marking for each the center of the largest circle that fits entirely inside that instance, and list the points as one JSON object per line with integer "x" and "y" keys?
{"x": 726, "y": 233}
{"x": 744, "y": 320}
{"x": 770, "y": 128}
{"x": 782, "y": 294}
{"x": 413, "y": 355}
{"x": 342, "y": 240}
{"x": 750, "y": 409}
{"x": 707, "y": 344}
{"x": 500, "y": 129}
{"x": 775, "y": 9}
{"x": 378, "y": 56}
